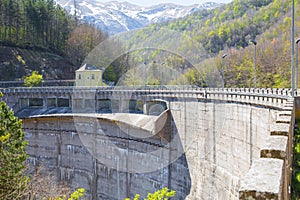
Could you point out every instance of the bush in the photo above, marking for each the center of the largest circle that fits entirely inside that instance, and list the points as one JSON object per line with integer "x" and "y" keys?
{"x": 33, "y": 80}
{"x": 162, "y": 194}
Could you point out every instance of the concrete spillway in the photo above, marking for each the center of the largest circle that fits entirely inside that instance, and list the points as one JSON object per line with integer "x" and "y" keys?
{"x": 113, "y": 156}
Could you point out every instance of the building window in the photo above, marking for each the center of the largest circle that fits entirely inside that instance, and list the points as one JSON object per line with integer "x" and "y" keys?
{"x": 93, "y": 76}
{"x": 79, "y": 76}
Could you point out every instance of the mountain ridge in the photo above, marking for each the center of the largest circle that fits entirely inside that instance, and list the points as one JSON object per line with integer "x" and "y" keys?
{"x": 115, "y": 17}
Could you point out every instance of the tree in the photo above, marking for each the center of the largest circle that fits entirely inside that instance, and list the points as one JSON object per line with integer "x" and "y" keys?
{"x": 12, "y": 155}
{"x": 82, "y": 41}
{"x": 39, "y": 23}
{"x": 162, "y": 194}
{"x": 43, "y": 185}
{"x": 33, "y": 80}
{"x": 14, "y": 183}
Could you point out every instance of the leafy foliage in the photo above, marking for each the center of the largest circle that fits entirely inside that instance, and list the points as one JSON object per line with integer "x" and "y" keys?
{"x": 162, "y": 194}
{"x": 12, "y": 155}
{"x": 74, "y": 196}
{"x": 34, "y": 79}
{"x": 77, "y": 194}
{"x": 14, "y": 183}
{"x": 296, "y": 165}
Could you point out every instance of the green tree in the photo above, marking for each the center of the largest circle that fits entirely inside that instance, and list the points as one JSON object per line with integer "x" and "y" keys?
{"x": 14, "y": 183}
{"x": 12, "y": 155}
{"x": 34, "y": 22}
{"x": 162, "y": 194}
{"x": 33, "y": 80}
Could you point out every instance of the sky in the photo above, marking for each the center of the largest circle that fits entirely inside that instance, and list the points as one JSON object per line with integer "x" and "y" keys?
{"x": 180, "y": 2}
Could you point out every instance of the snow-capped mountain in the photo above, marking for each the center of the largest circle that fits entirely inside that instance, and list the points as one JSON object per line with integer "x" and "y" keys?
{"x": 116, "y": 17}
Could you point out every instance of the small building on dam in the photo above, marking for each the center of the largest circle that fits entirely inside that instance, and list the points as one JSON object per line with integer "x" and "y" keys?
{"x": 88, "y": 75}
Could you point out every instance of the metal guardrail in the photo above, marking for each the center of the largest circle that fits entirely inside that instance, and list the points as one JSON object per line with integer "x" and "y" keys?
{"x": 180, "y": 89}
{"x": 45, "y": 83}
{"x": 261, "y": 95}
{"x": 281, "y": 91}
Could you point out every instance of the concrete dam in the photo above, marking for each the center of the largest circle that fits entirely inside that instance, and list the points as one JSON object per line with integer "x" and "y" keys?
{"x": 204, "y": 143}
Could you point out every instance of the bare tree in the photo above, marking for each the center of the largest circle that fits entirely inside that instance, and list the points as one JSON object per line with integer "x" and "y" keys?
{"x": 43, "y": 185}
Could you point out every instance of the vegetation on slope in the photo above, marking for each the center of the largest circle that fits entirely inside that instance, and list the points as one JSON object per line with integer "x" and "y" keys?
{"x": 40, "y": 35}
{"x": 203, "y": 36}
{"x": 232, "y": 25}
{"x": 16, "y": 62}
{"x": 208, "y": 34}
{"x": 34, "y": 23}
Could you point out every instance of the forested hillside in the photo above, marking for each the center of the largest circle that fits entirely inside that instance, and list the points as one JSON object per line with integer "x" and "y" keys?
{"x": 185, "y": 51}
{"x": 232, "y": 25}
{"x": 40, "y": 35}
{"x": 34, "y": 23}
{"x": 226, "y": 30}
{"x": 229, "y": 29}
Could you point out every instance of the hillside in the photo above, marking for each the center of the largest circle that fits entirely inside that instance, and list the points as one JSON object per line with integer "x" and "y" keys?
{"x": 203, "y": 37}
{"x": 183, "y": 51}
{"x": 231, "y": 25}
{"x": 17, "y": 62}
{"x": 40, "y": 35}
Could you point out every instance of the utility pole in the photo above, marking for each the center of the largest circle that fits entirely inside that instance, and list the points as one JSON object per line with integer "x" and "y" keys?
{"x": 223, "y": 71}
{"x": 293, "y": 49}
{"x": 255, "y": 81}
{"x": 297, "y": 63}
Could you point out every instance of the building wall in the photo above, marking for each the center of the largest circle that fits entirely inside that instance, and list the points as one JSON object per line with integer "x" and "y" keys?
{"x": 89, "y": 78}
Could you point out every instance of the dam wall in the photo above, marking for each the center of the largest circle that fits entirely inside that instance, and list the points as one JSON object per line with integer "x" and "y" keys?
{"x": 214, "y": 144}
{"x": 223, "y": 144}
